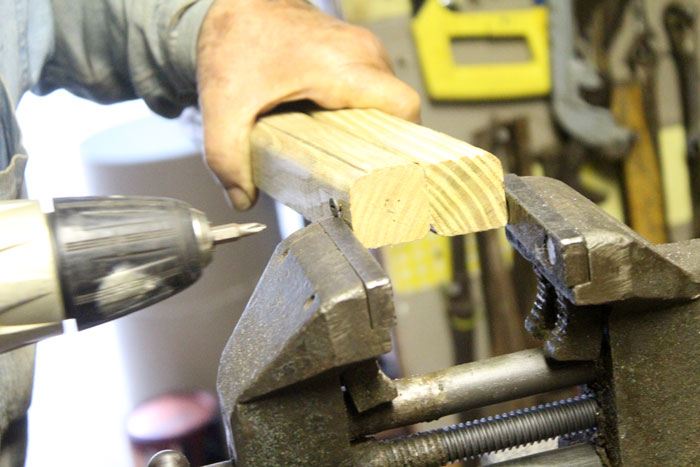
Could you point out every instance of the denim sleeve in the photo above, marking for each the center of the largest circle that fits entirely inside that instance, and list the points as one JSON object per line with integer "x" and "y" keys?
{"x": 114, "y": 50}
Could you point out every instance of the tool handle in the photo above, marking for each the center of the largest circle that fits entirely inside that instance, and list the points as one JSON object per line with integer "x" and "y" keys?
{"x": 434, "y": 29}
{"x": 31, "y": 305}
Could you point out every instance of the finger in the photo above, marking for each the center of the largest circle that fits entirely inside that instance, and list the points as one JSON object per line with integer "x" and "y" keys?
{"x": 367, "y": 87}
{"x": 227, "y": 148}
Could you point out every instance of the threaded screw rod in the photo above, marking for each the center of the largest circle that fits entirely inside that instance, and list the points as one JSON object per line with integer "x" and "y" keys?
{"x": 438, "y": 447}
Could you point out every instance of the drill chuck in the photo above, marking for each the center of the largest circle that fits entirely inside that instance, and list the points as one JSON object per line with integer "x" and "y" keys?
{"x": 117, "y": 255}
{"x": 95, "y": 259}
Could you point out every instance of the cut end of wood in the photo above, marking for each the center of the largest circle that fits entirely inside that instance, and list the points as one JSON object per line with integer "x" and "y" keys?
{"x": 392, "y": 178}
{"x": 467, "y": 195}
{"x": 390, "y": 206}
{"x": 464, "y": 183}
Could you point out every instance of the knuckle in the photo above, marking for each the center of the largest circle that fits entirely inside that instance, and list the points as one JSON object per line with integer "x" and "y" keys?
{"x": 368, "y": 40}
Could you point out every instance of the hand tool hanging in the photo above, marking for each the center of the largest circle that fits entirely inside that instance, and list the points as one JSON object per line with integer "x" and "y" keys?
{"x": 587, "y": 129}
{"x": 460, "y": 306}
{"x": 591, "y": 125}
{"x": 500, "y": 296}
{"x": 632, "y": 103}
{"x": 680, "y": 26}
{"x": 509, "y": 139}
{"x": 438, "y": 23}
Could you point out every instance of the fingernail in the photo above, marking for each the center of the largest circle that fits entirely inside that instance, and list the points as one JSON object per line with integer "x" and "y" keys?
{"x": 240, "y": 198}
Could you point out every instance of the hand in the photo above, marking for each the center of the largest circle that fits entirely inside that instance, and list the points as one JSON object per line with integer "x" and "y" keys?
{"x": 256, "y": 54}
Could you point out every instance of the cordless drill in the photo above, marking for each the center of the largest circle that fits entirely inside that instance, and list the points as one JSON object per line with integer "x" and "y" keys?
{"x": 95, "y": 259}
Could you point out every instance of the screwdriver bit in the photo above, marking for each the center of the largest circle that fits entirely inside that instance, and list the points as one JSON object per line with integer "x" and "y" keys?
{"x": 230, "y": 232}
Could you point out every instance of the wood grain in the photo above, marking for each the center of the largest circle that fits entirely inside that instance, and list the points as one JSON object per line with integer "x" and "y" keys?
{"x": 391, "y": 179}
{"x": 303, "y": 163}
{"x": 464, "y": 183}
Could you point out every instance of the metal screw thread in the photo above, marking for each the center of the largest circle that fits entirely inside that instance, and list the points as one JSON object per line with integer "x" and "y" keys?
{"x": 562, "y": 319}
{"x": 540, "y": 320}
{"x": 438, "y": 447}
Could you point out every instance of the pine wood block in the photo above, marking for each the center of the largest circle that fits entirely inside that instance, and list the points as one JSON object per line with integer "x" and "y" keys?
{"x": 303, "y": 163}
{"x": 464, "y": 183}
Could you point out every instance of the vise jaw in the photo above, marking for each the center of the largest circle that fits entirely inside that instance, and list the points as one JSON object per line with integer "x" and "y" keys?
{"x": 609, "y": 295}
{"x": 323, "y": 309}
{"x": 299, "y": 383}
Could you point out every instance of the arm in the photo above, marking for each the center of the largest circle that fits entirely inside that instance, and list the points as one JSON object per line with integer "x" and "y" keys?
{"x": 248, "y": 57}
{"x": 113, "y": 50}
{"x": 257, "y": 54}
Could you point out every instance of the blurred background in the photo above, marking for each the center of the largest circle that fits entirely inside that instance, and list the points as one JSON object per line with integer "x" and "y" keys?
{"x": 458, "y": 299}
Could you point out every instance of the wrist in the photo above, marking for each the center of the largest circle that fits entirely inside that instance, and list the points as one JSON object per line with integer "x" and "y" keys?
{"x": 180, "y": 27}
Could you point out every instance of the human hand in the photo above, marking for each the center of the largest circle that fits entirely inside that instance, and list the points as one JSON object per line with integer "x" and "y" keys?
{"x": 256, "y": 54}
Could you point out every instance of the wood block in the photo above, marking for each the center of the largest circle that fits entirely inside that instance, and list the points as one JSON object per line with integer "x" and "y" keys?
{"x": 303, "y": 163}
{"x": 392, "y": 179}
{"x": 464, "y": 183}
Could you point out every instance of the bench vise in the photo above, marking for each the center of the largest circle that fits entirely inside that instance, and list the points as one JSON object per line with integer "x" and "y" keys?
{"x": 299, "y": 382}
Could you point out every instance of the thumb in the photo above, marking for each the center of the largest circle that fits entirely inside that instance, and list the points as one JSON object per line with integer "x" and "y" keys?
{"x": 227, "y": 151}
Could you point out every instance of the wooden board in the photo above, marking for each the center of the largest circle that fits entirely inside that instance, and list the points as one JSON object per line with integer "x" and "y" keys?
{"x": 391, "y": 179}
{"x": 303, "y": 163}
{"x": 465, "y": 183}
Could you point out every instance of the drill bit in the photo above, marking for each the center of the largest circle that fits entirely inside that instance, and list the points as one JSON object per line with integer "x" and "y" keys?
{"x": 230, "y": 232}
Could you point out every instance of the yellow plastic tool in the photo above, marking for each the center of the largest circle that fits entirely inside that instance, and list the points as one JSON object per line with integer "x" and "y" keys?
{"x": 435, "y": 27}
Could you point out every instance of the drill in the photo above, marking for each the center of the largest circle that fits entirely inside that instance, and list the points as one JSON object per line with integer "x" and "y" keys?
{"x": 94, "y": 259}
